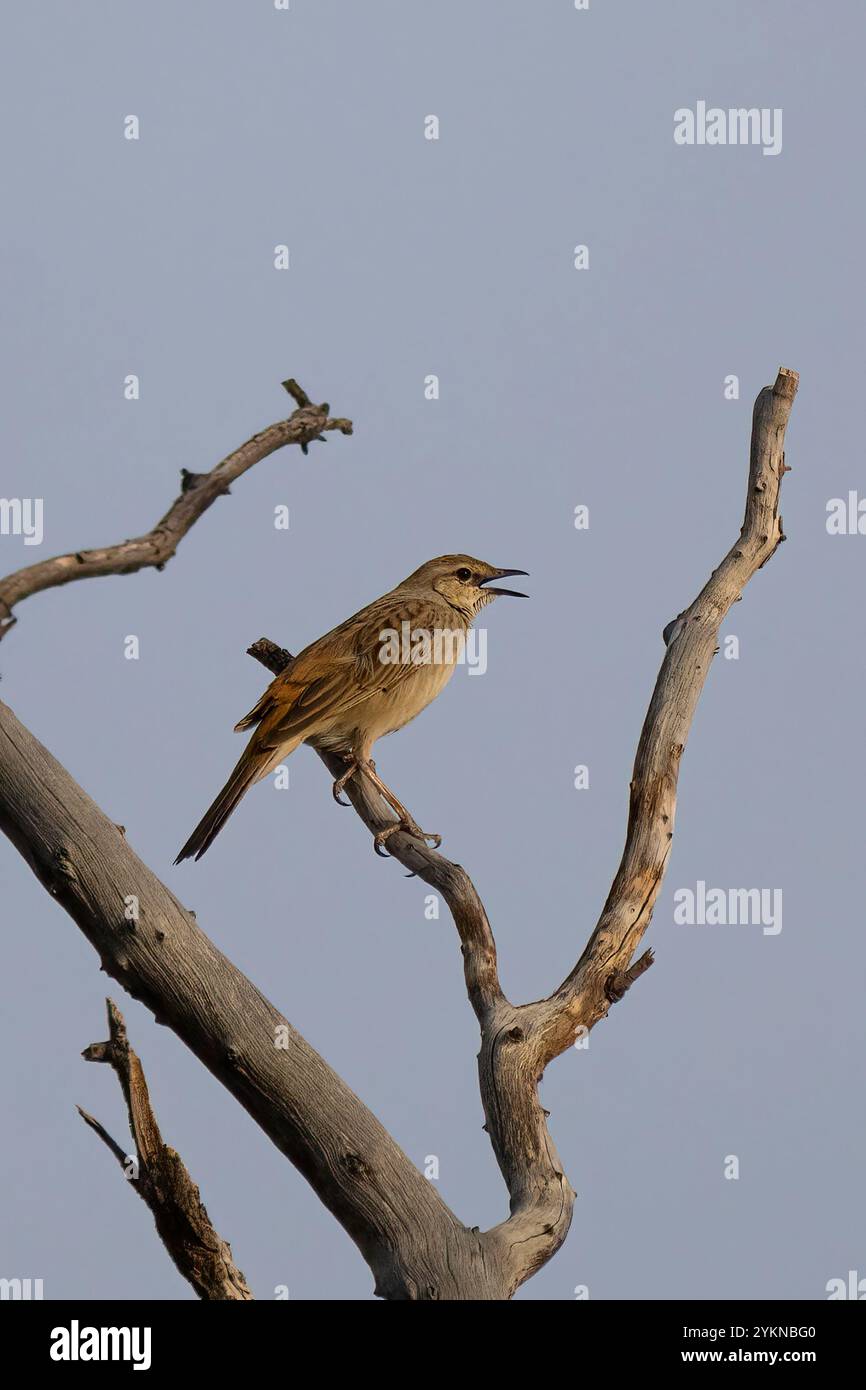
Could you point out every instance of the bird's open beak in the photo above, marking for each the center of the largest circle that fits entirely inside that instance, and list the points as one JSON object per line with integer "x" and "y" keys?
{"x": 503, "y": 574}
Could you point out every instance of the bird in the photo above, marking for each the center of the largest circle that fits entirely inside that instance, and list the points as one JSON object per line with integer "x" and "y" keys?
{"x": 365, "y": 678}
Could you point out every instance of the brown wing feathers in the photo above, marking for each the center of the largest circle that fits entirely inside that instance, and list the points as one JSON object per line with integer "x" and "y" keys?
{"x": 325, "y": 680}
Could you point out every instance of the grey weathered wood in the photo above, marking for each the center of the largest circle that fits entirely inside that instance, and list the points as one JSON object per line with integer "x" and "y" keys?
{"x": 415, "y": 1246}
{"x": 541, "y": 1197}
{"x": 518, "y": 1041}
{"x": 586, "y": 994}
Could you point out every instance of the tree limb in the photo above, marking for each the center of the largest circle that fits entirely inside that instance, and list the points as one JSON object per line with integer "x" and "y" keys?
{"x": 198, "y": 491}
{"x": 518, "y": 1042}
{"x": 585, "y": 996}
{"x": 541, "y": 1196}
{"x": 452, "y": 881}
{"x": 415, "y": 1246}
{"x": 162, "y": 1181}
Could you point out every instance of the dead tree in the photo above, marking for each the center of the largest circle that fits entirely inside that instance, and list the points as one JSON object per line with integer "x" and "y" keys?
{"x": 416, "y": 1247}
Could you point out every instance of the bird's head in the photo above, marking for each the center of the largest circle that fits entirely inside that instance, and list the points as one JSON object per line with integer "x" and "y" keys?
{"x": 463, "y": 582}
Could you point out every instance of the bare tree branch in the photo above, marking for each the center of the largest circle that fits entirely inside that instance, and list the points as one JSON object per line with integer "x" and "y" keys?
{"x": 162, "y": 1181}
{"x": 541, "y": 1196}
{"x": 518, "y": 1042}
{"x": 198, "y": 491}
{"x": 585, "y": 996}
{"x": 452, "y": 881}
{"x": 416, "y": 1247}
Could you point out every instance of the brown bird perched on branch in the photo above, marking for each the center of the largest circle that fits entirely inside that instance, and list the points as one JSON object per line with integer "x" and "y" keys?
{"x": 364, "y": 679}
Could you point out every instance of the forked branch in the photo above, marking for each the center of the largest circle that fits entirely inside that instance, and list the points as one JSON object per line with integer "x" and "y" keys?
{"x": 518, "y": 1042}
{"x": 198, "y": 490}
{"x": 161, "y": 1179}
{"x": 414, "y": 1244}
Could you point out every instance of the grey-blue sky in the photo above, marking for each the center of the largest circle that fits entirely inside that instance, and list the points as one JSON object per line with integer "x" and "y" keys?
{"x": 557, "y": 387}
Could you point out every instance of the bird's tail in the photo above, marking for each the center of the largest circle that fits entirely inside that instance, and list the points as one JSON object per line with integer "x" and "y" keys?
{"x": 248, "y": 770}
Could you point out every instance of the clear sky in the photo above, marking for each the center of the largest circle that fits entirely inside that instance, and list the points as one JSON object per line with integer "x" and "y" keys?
{"x": 558, "y": 387}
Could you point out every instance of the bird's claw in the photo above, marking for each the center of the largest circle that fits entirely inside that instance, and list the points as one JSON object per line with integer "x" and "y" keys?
{"x": 340, "y": 783}
{"x": 406, "y": 827}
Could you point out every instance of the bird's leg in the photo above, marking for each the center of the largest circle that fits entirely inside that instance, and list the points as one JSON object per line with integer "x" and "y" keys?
{"x": 342, "y": 780}
{"x": 406, "y": 823}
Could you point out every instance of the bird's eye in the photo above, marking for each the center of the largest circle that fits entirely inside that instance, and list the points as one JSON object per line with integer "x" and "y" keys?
{"x": 464, "y": 574}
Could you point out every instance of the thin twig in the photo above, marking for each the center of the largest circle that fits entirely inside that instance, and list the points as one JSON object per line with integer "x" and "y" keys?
{"x": 198, "y": 490}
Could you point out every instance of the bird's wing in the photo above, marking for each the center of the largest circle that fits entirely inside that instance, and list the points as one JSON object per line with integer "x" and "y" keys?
{"x": 340, "y": 670}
